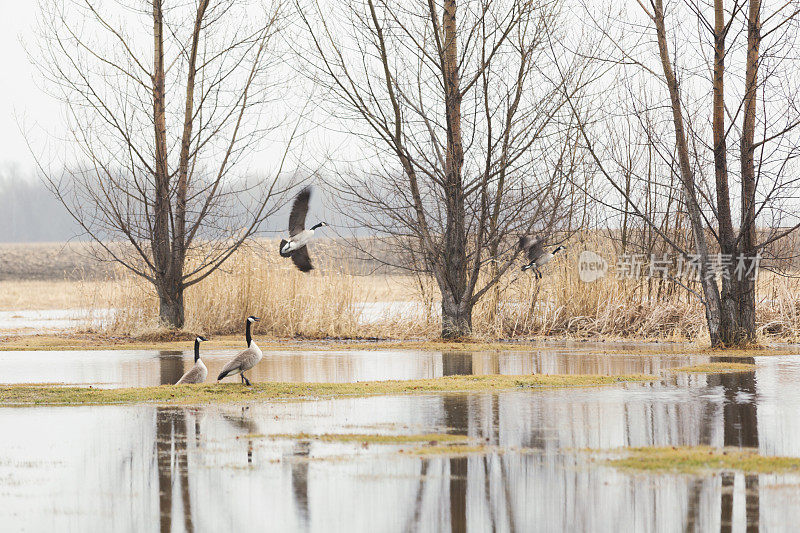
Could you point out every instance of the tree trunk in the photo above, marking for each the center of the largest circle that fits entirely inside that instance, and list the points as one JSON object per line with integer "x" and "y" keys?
{"x": 170, "y": 305}
{"x": 711, "y": 295}
{"x": 456, "y": 305}
{"x": 745, "y": 289}
{"x": 727, "y": 240}
{"x": 160, "y": 241}
{"x": 456, "y": 316}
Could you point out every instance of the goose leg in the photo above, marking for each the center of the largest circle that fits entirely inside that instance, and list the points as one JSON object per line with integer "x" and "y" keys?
{"x": 246, "y": 381}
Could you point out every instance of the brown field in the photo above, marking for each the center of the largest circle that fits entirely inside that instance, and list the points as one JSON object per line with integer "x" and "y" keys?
{"x": 328, "y": 302}
{"x": 26, "y": 295}
{"x": 51, "y": 262}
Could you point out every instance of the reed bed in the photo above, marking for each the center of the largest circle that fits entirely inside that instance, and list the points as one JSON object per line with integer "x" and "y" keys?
{"x": 288, "y": 302}
{"x": 331, "y": 300}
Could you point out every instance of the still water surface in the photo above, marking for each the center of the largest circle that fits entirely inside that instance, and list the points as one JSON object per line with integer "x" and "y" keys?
{"x": 210, "y": 468}
{"x": 129, "y": 368}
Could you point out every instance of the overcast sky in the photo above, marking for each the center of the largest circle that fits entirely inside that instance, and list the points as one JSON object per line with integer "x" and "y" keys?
{"x": 21, "y": 101}
{"x": 24, "y": 105}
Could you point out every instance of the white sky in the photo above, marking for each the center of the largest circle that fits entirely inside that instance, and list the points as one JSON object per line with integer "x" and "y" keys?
{"x": 24, "y": 106}
{"x": 21, "y": 101}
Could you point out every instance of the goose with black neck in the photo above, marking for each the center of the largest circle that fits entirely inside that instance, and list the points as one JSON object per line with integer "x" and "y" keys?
{"x": 198, "y": 373}
{"x": 246, "y": 359}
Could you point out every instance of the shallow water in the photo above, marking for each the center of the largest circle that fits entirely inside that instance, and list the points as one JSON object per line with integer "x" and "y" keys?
{"x": 134, "y": 468}
{"x": 50, "y": 320}
{"x": 138, "y": 368}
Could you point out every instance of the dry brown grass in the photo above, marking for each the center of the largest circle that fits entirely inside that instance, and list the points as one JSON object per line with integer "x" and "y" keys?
{"x": 328, "y": 302}
{"x": 612, "y": 308}
{"x": 24, "y": 295}
{"x": 288, "y": 302}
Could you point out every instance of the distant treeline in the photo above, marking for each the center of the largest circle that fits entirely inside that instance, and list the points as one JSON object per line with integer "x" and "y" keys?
{"x": 30, "y": 213}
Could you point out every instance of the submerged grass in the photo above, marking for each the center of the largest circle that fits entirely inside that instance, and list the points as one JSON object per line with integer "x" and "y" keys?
{"x": 698, "y": 459}
{"x": 372, "y": 438}
{"x": 424, "y": 444}
{"x": 683, "y": 349}
{"x": 18, "y": 395}
{"x": 716, "y": 368}
{"x": 451, "y": 450}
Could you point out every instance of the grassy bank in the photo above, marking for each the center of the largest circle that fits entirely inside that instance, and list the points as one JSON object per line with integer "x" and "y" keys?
{"x": 44, "y": 394}
{"x": 700, "y": 459}
{"x": 99, "y": 341}
{"x": 103, "y": 341}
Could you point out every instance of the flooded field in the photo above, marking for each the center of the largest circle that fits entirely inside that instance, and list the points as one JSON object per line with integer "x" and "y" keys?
{"x": 130, "y": 368}
{"x": 31, "y": 322}
{"x": 222, "y": 468}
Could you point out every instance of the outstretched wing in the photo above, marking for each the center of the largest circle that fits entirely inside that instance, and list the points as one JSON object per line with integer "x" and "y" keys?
{"x": 532, "y": 247}
{"x": 301, "y": 259}
{"x": 297, "y": 218}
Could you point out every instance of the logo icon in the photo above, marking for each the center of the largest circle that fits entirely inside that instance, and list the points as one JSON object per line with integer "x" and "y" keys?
{"x": 591, "y": 266}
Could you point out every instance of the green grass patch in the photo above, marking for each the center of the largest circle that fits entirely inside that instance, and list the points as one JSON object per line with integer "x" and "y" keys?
{"x": 98, "y": 341}
{"x": 682, "y": 350}
{"x": 698, "y": 459}
{"x": 14, "y": 395}
{"x": 373, "y": 438}
{"x": 183, "y": 341}
{"x": 716, "y": 368}
{"x": 450, "y": 450}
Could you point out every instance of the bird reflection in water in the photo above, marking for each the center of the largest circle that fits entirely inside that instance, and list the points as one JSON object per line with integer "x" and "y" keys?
{"x": 245, "y": 424}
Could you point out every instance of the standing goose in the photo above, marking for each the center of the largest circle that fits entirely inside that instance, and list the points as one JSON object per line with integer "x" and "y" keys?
{"x": 247, "y": 358}
{"x": 299, "y": 237}
{"x": 199, "y": 372}
{"x": 534, "y": 249}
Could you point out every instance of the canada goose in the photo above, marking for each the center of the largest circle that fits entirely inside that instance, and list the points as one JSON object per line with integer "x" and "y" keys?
{"x": 199, "y": 372}
{"x": 247, "y": 358}
{"x": 534, "y": 249}
{"x": 299, "y": 237}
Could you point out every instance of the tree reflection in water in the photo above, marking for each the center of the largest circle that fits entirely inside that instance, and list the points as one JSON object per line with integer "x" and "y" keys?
{"x": 299, "y": 468}
{"x": 740, "y": 429}
{"x": 495, "y": 490}
{"x": 171, "y": 453}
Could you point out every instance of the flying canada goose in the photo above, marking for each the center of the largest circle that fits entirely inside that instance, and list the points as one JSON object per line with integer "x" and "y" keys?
{"x": 534, "y": 249}
{"x": 247, "y": 358}
{"x": 199, "y": 372}
{"x": 299, "y": 237}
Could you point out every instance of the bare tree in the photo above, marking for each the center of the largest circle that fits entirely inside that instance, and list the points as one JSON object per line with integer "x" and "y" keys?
{"x": 164, "y": 100}
{"x": 466, "y": 137}
{"x": 687, "y": 48}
